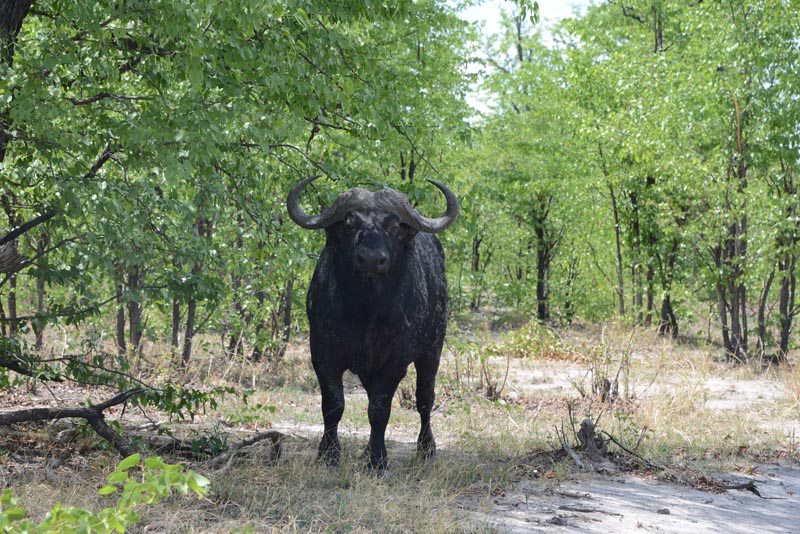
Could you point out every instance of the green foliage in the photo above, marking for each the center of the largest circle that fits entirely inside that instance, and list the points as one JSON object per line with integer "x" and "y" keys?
{"x": 165, "y": 139}
{"x": 536, "y": 341}
{"x": 155, "y": 481}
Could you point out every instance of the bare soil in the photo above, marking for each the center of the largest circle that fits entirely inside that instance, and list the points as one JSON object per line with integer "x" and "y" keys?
{"x": 604, "y": 503}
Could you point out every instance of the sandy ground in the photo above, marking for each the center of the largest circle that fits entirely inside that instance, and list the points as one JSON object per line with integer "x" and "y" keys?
{"x": 609, "y": 501}
{"x": 591, "y": 502}
{"x": 594, "y": 503}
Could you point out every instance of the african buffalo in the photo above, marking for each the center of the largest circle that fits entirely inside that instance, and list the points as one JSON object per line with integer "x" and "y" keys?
{"x": 376, "y": 303}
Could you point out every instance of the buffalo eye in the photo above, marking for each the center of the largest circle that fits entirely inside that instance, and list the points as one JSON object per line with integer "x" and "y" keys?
{"x": 351, "y": 221}
{"x": 392, "y": 223}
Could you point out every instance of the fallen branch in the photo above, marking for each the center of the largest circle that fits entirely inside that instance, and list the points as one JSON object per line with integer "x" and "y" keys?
{"x": 228, "y": 456}
{"x": 568, "y": 448}
{"x": 92, "y": 414}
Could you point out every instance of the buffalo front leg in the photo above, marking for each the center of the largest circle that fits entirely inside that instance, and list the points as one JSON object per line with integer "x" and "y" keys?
{"x": 332, "y": 410}
{"x": 380, "y": 407}
{"x": 426, "y": 382}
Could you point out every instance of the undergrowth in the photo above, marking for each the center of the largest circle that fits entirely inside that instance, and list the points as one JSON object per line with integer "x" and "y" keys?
{"x": 501, "y": 400}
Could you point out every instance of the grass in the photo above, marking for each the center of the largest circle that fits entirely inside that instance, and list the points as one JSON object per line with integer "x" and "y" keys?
{"x": 660, "y": 409}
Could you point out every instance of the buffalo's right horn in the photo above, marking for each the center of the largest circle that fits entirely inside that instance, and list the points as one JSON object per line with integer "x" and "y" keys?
{"x": 311, "y": 222}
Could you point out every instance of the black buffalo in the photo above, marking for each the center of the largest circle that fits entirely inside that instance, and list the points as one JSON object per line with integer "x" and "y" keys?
{"x": 376, "y": 303}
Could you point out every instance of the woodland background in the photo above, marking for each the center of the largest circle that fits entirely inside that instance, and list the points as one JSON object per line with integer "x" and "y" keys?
{"x": 642, "y": 167}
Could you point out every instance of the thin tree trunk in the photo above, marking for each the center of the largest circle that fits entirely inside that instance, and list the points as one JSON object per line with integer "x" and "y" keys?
{"x": 786, "y": 303}
{"x": 135, "y": 308}
{"x": 3, "y": 320}
{"x": 288, "y": 297}
{"x": 572, "y": 275}
{"x": 12, "y": 306}
{"x": 475, "y": 266}
{"x": 762, "y": 326}
{"x": 203, "y": 228}
{"x": 236, "y": 334}
{"x": 618, "y": 243}
{"x": 668, "y": 320}
{"x": 637, "y": 302}
{"x": 188, "y": 334}
{"x": 122, "y": 348}
{"x": 650, "y": 305}
{"x": 39, "y": 324}
{"x": 176, "y": 327}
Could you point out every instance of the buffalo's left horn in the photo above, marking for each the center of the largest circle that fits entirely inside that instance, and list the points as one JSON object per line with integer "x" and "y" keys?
{"x": 437, "y": 224}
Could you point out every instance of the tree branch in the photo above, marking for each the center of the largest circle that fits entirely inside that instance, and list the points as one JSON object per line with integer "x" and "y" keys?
{"x": 92, "y": 414}
{"x": 19, "y": 230}
{"x": 104, "y": 95}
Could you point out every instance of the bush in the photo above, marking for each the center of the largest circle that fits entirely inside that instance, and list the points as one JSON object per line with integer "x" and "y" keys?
{"x": 158, "y": 480}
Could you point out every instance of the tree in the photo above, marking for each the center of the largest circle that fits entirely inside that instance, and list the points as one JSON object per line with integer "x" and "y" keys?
{"x": 152, "y": 137}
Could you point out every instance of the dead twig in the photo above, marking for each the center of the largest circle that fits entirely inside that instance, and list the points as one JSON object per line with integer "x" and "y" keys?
{"x": 227, "y": 457}
{"x": 683, "y": 479}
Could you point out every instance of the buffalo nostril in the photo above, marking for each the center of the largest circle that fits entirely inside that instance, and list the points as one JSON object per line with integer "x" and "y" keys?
{"x": 383, "y": 261}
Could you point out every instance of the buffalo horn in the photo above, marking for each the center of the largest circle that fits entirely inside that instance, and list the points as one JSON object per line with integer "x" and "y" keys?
{"x": 357, "y": 199}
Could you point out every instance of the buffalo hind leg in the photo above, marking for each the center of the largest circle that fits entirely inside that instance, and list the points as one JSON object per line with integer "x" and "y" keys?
{"x": 332, "y": 410}
{"x": 426, "y": 382}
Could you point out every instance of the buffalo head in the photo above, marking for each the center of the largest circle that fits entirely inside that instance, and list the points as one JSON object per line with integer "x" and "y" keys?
{"x": 375, "y": 225}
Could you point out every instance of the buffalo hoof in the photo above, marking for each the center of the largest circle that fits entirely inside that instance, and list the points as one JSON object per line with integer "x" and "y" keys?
{"x": 426, "y": 451}
{"x": 381, "y": 473}
{"x": 329, "y": 458}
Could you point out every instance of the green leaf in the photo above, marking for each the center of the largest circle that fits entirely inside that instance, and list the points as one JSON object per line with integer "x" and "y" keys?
{"x": 117, "y": 477}
{"x": 14, "y": 514}
{"x": 107, "y": 490}
{"x": 129, "y": 462}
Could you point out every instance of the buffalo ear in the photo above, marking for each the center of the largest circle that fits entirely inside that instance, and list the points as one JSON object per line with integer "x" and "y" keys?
{"x": 405, "y": 233}
{"x": 336, "y": 232}
{"x": 400, "y": 231}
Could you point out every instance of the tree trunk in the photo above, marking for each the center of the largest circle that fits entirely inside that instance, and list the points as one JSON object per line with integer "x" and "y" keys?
{"x": 650, "y": 306}
{"x": 735, "y": 261}
{"x": 135, "y": 282}
{"x": 236, "y": 334}
{"x": 188, "y": 334}
{"x": 288, "y": 297}
{"x": 176, "y": 327}
{"x": 12, "y": 306}
{"x": 543, "y": 289}
{"x": 203, "y": 229}
{"x": 658, "y": 30}
{"x": 637, "y": 302}
{"x": 762, "y": 327}
{"x": 668, "y": 321}
{"x": 12, "y": 14}
{"x": 543, "y": 258}
{"x": 235, "y": 339}
{"x": 475, "y": 266}
{"x": 258, "y": 346}
{"x": 572, "y": 275}
{"x": 618, "y": 243}
{"x": 122, "y": 348}
{"x": 39, "y": 323}
{"x": 786, "y": 303}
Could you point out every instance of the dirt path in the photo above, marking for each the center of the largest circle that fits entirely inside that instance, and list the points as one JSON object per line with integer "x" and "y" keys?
{"x": 618, "y": 504}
